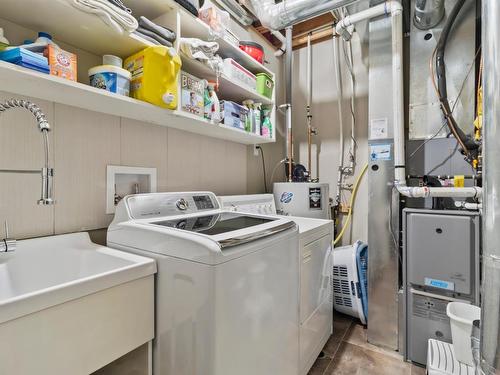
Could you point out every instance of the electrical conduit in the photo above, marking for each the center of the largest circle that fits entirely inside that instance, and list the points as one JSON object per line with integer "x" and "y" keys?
{"x": 394, "y": 9}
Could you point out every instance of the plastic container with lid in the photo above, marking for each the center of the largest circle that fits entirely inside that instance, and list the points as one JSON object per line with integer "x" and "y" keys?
{"x": 154, "y": 76}
{"x": 253, "y": 49}
{"x": 110, "y": 78}
{"x": 265, "y": 85}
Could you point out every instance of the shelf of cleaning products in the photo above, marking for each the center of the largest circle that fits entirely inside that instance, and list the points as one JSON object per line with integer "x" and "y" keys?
{"x": 193, "y": 27}
{"x": 72, "y": 26}
{"x": 22, "y": 81}
{"x": 228, "y": 88}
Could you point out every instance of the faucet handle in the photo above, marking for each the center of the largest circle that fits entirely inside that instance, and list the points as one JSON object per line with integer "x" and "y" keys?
{"x": 8, "y": 244}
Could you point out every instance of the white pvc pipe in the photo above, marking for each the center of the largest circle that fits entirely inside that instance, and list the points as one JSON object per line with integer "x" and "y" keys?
{"x": 440, "y": 192}
{"x": 282, "y": 49}
{"x": 469, "y": 206}
{"x": 338, "y": 79}
{"x": 394, "y": 9}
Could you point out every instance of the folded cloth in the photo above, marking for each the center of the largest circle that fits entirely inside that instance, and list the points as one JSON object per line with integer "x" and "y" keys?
{"x": 198, "y": 49}
{"x": 119, "y": 4}
{"x": 163, "y": 32}
{"x": 188, "y": 6}
{"x": 148, "y": 38}
{"x": 110, "y": 14}
{"x": 154, "y": 36}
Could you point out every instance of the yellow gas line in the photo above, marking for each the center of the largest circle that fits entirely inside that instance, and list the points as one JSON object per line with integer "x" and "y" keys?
{"x": 351, "y": 204}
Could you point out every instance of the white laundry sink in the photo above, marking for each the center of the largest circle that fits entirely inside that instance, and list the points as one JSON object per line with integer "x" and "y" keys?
{"x": 70, "y": 306}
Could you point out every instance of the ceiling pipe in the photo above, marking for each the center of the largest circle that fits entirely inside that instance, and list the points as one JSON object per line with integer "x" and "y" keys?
{"x": 282, "y": 49}
{"x": 289, "y": 12}
{"x": 395, "y": 11}
{"x": 340, "y": 94}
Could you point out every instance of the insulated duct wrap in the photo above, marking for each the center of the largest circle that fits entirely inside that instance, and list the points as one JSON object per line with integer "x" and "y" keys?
{"x": 288, "y": 12}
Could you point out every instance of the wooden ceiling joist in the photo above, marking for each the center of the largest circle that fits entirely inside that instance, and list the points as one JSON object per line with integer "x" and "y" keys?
{"x": 321, "y": 29}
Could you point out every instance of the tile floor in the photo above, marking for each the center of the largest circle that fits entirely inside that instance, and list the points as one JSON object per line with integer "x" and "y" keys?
{"x": 347, "y": 352}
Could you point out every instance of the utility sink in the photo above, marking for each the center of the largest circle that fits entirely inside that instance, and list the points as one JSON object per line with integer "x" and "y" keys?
{"x": 68, "y": 306}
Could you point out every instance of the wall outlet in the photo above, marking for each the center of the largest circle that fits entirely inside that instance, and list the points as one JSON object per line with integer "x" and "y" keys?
{"x": 256, "y": 150}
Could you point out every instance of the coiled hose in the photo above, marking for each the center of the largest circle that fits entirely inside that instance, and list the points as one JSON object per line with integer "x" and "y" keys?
{"x": 41, "y": 120}
{"x": 351, "y": 203}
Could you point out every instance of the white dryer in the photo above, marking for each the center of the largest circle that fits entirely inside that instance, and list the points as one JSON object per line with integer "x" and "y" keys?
{"x": 314, "y": 270}
{"x": 226, "y": 287}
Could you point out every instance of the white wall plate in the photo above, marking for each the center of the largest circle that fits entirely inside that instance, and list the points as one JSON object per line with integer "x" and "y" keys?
{"x": 123, "y": 180}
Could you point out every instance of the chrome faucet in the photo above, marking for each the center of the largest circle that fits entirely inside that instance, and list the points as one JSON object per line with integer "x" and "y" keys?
{"x": 46, "y": 173}
{"x": 7, "y": 244}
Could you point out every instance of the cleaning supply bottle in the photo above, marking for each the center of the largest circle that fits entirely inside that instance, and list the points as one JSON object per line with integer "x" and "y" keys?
{"x": 40, "y": 44}
{"x": 267, "y": 126}
{"x": 257, "y": 112}
{"x": 215, "y": 110}
{"x": 3, "y": 40}
{"x": 207, "y": 101}
{"x": 155, "y": 72}
{"x": 249, "y": 121}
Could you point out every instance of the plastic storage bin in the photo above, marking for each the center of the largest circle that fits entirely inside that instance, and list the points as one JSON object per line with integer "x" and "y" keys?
{"x": 350, "y": 294}
{"x": 265, "y": 85}
{"x": 236, "y": 72}
{"x": 154, "y": 76}
{"x": 462, "y": 315}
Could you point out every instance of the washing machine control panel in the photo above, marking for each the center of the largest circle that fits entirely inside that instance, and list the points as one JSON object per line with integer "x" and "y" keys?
{"x": 144, "y": 206}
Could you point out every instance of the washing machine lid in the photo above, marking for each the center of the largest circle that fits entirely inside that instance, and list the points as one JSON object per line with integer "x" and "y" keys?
{"x": 214, "y": 224}
{"x": 228, "y": 228}
{"x": 188, "y": 225}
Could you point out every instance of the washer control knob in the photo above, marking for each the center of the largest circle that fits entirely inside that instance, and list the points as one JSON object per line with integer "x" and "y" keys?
{"x": 182, "y": 204}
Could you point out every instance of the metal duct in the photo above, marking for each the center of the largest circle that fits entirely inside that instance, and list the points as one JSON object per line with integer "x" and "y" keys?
{"x": 428, "y": 13}
{"x": 237, "y": 11}
{"x": 490, "y": 320}
{"x": 288, "y": 12}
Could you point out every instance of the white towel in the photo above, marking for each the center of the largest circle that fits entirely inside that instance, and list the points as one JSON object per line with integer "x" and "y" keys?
{"x": 113, "y": 16}
{"x": 198, "y": 49}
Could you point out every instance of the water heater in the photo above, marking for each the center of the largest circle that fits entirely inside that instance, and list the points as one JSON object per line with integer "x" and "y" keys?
{"x": 306, "y": 199}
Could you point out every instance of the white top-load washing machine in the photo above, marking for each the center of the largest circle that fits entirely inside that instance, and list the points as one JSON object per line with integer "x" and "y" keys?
{"x": 226, "y": 287}
{"x": 315, "y": 267}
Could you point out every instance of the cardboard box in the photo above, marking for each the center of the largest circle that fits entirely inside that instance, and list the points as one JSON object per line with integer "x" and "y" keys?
{"x": 192, "y": 90}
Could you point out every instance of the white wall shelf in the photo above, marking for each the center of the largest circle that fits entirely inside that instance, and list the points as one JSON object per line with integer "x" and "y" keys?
{"x": 22, "y": 81}
{"x": 72, "y": 26}
{"x": 228, "y": 88}
{"x": 88, "y": 32}
{"x": 192, "y": 27}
